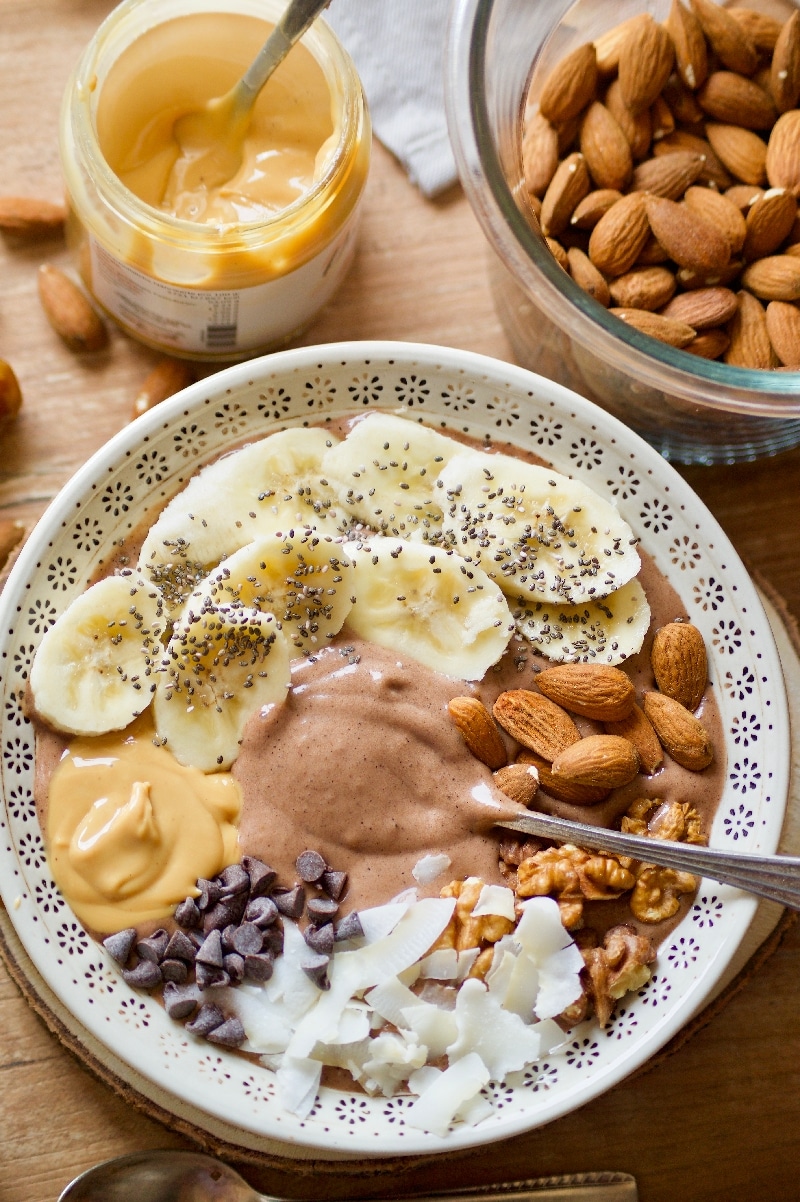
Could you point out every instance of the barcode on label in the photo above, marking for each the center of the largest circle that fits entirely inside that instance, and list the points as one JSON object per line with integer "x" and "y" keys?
{"x": 220, "y": 336}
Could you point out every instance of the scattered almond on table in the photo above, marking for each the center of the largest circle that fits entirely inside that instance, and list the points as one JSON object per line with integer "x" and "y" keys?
{"x": 662, "y": 163}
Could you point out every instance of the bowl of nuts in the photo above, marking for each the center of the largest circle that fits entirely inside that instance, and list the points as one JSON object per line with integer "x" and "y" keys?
{"x": 634, "y": 167}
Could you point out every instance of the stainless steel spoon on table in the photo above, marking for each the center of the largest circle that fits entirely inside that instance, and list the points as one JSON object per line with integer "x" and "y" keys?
{"x": 774, "y": 877}
{"x": 166, "y": 1176}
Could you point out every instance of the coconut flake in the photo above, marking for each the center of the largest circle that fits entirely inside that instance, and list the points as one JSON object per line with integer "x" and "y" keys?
{"x": 389, "y": 1000}
{"x": 297, "y": 1082}
{"x": 441, "y": 965}
{"x": 427, "y": 869}
{"x": 495, "y": 899}
{"x": 435, "y": 1028}
{"x": 501, "y": 1039}
{"x": 435, "y": 1109}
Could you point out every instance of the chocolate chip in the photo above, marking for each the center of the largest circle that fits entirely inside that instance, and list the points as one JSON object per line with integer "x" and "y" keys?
{"x": 208, "y": 1017}
{"x": 262, "y": 877}
{"x": 310, "y": 866}
{"x": 187, "y": 914}
{"x": 227, "y": 937}
{"x": 320, "y": 939}
{"x": 226, "y": 911}
{"x": 234, "y": 967}
{"x": 234, "y": 879}
{"x": 120, "y": 945}
{"x": 153, "y": 947}
{"x": 290, "y": 902}
{"x": 350, "y": 927}
{"x": 258, "y": 967}
{"x": 210, "y": 893}
{"x": 180, "y": 947}
{"x": 320, "y": 909}
{"x": 211, "y": 951}
{"x": 209, "y": 977}
{"x": 229, "y": 1035}
{"x": 247, "y": 939}
{"x": 262, "y": 911}
{"x": 333, "y": 883}
{"x": 175, "y": 970}
{"x": 316, "y": 968}
{"x": 179, "y": 1003}
{"x": 146, "y": 975}
{"x": 273, "y": 940}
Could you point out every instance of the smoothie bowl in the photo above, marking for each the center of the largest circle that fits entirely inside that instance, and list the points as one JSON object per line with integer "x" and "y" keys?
{"x": 277, "y": 660}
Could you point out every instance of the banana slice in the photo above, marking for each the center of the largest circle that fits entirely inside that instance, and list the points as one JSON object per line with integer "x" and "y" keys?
{"x": 386, "y": 470}
{"x": 607, "y": 631}
{"x": 538, "y": 533}
{"x": 93, "y": 670}
{"x": 220, "y": 667}
{"x": 271, "y": 485}
{"x": 305, "y": 579}
{"x": 429, "y": 604}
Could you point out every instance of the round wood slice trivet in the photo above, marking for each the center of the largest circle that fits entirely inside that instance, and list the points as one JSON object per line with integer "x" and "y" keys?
{"x": 769, "y": 925}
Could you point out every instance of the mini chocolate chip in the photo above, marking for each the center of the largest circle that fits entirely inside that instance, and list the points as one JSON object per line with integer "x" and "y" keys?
{"x": 319, "y": 909}
{"x": 310, "y": 866}
{"x": 211, "y": 951}
{"x": 227, "y": 937}
{"x": 350, "y": 927}
{"x": 120, "y": 945}
{"x": 316, "y": 968}
{"x": 320, "y": 939}
{"x": 209, "y": 977}
{"x": 290, "y": 902}
{"x": 261, "y": 910}
{"x": 207, "y": 1018}
{"x": 234, "y": 879}
{"x": 226, "y": 911}
{"x": 146, "y": 975}
{"x": 230, "y": 1034}
{"x": 187, "y": 914}
{"x": 180, "y": 947}
{"x": 234, "y": 967}
{"x": 179, "y": 1003}
{"x": 175, "y": 970}
{"x": 333, "y": 883}
{"x": 247, "y": 939}
{"x": 210, "y": 893}
{"x": 262, "y": 877}
{"x": 258, "y": 967}
{"x": 273, "y": 940}
{"x": 153, "y": 947}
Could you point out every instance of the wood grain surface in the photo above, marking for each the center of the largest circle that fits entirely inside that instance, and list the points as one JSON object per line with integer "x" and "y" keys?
{"x": 717, "y": 1120}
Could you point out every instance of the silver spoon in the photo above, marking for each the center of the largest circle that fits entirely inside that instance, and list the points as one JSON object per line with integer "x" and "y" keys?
{"x": 774, "y": 877}
{"x": 164, "y": 1176}
{"x": 211, "y": 138}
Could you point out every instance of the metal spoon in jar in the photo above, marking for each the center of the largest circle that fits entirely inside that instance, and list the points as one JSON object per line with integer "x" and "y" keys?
{"x": 212, "y": 137}
{"x": 774, "y": 877}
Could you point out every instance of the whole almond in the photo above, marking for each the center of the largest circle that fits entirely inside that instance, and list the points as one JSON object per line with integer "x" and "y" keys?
{"x": 539, "y": 154}
{"x": 69, "y": 312}
{"x": 662, "y": 117}
{"x": 749, "y": 341}
{"x": 743, "y": 196}
{"x": 782, "y": 159}
{"x": 30, "y": 216}
{"x": 11, "y": 535}
{"x": 478, "y": 730}
{"x": 768, "y": 223}
{"x": 591, "y": 690}
{"x": 609, "y": 45}
{"x": 673, "y": 333}
{"x": 618, "y": 237}
{"x": 567, "y": 188}
{"x": 593, "y": 206}
{"x": 736, "y": 100}
{"x": 714, "y": 172}
{"x": 587, "y": 277}
{"x": 681, "y": 734}
{"x": 562, "y": 789}
{"x": 709, "y": 344}
{"x": 783, "y": 327}
{"x": 680, "y": 663}
{"x": 535, "y": 722}
{"x": 776, "y": 277}
{"x": 761, "y": 28}
{"x": 691, "y": 54}
{"x": 643, "y": 288}
{"x": 518, "y": 781}
{"x": 733, "y": 46}
{"x": 645, "y": 62}
{"x": 785, "y": 68}
{"x": 167, "y": 377}
{"x": 10, "y": 394}
{"x": 570, "y": 85}
{"x": 691, "y": 280}
{"x": 558, "y": 252}
{"x": 690, "y": 239}
{"x": 637, "y": 127}
{"x": 603, "y": 761}
{"x": 721, "y": 212}
{"x": 741, "y": 151}
{"x": 638, "y": 730}
{"x": 682, "y": 102}
{"x": 605, "y": 148}
{"x": 668, "y": 175}
{"x": 702, "y": 308}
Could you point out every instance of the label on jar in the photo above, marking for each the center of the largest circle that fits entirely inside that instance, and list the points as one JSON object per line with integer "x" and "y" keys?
{"x": 224, "y": 322}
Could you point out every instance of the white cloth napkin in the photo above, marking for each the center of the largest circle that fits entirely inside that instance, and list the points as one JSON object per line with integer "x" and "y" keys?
{"x": 398, "y": 47}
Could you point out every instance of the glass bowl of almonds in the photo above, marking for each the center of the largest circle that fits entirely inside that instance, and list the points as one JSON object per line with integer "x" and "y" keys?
{"x": 636, "y": 169}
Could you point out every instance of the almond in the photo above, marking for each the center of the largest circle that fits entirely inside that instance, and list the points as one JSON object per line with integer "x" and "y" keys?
{"x": 637, "y": 127}
{"x": 10, "y": 394}
{"x": 11, "y": 535}
{"x": 743, "y": 195}
{"x": 605, "y": 148}
{"x": 518, "y": 781}
{"x": 762, "y": 29}
{"x": 682, "y": 102}
{"x": 776, "y": 277}
{"x": 713, "y": 172}
{"x": 619, "y": 235}
{"x": 782, "y": 159}
{"x": 643, "y": 288}
{"x": 562, "y": 789}
{"x": 591, "y": 690}
{"x": 741, "y": 151}
{"x": 558, "y": 253}
{"x": 638, "y": 730}
{"x": 709, "y": 344}
{"x": 593, "y": 206}
{"x": 720, "y": 211}
{"x": 30, "y": 216}
{"x": 600, "y": 761}
{"x": 681, "y": 734}
{"x": 769, "y": 221}
{"x": 476, "y": 727}
{"x": 733, "y": 46}
{"x": 749, "y": 341}
{"x": 609, "y": 45}
{"x": 673, "y": 333}
{"x": 167, "y": 377}
{"x": 568, "y": 186}
{"x": 652, "y": 254}
{"x": 645, "y": 62}
{"x": 535, "y": 722}
{"x": 783, "y": 327}
{"x": 691, "y": 54}
{"x": 689, "y": 239}
{"x": 668, "y": 175}
{"x": 679, "y": 662}
{"x": 736, "y": 100}
{"x": 539, "y": 154}
{"x": 570, "y": 85}
{"x": 702, "y": 308}
{"x": 587, "y": 277}
{"x": 785, "y": 68}
{"x": 662, "y": 118}
{"x": 69, "y": 312}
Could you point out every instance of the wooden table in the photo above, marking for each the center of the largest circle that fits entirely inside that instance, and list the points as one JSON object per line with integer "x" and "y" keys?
{"x": 719, "y": 1119}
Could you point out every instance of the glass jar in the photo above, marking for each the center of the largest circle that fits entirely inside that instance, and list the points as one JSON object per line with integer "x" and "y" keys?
{"x": 211, "y": 292}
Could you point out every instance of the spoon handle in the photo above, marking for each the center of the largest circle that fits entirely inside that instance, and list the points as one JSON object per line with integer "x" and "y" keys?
{"x": 299, "y": 15}
{"x": 774, "y": 877}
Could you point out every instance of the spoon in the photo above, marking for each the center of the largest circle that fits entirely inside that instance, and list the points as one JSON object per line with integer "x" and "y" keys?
{"x": 211, "y": 138}
{"x": 774, "y": 877}
{"x": 165, "y": 1176}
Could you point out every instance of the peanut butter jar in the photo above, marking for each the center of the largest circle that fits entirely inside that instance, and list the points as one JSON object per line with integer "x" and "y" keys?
{"x": 220, "y": 273}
